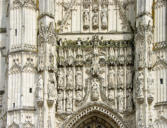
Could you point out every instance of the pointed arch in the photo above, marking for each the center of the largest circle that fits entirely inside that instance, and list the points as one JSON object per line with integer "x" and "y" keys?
{"x": 98, "y": 110}
{"x": 14, "y": 125}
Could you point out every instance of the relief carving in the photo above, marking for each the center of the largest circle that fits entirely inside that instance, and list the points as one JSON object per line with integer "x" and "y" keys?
{"x": 129, "y": 75}
{"x": 95, "y": 90}
{"x": 69, "y": 101}
{"x": 79, "y": 79}
{"x": 120, "y": 79}
{"x": 51, "y": 87}
{"x": 104, "y": 18}
{"x": 112, "y": 78}
{"x": 86, "y": 19}
{"x": 61, "y": 79}
{"x": 70, "y": 79}
{"x": 140, "y": 84}
{"x": 39, "y": 89}
{"x": 60, "y": 101}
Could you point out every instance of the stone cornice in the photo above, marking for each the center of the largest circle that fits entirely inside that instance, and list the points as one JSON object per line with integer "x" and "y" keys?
{"x": 22, "y": 109}
{"x": 160, "y": 45}
{"x": 160, "y": 3}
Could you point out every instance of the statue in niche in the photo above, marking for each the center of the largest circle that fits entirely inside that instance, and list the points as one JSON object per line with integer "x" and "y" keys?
{"x": 121, "y": 56}
{"x": 120, "y": 100}
{"x": 129, "y": 100}
{"x": 95, "y": 90}
{"x": 69, "y": 101}
{"x": 140, "y": 84}
{"x": 51, "y": 59}
{"x": 111, "y": 78}
{"x": 41, "y": 58}
{"x": 51, "y": 90}
{"x": 141, "y": 57}
{"x": 120, "y": 77}
{"x": 111, "y": 95}
{"x": 104, "y": 19}
{"x": 129, "y": 74}
{"x": 61, "y": 80}
{"x": 140, "y": 121}
{"x": 86, "y": 19}
{"x": 61, "y": 56}
{"x": 39, "y": 88}
{"x": 70, "y": 79}
{"x": 79, "y": 96}
{"x": 60, "y": 101}
{"x": 95, "y": 21}
{"x": 79, "y": 80}
{"x": 129, "y": 55}
{"x": 150, "y": 82}
{"x": 70, "y": 58}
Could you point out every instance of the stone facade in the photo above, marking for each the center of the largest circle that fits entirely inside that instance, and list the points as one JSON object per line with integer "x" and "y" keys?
{"x": 83, "y": 64}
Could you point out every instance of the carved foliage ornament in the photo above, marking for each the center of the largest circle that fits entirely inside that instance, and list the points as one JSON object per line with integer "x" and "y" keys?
{"x": 24, "y": 3}
{"x": 47, "y": 34}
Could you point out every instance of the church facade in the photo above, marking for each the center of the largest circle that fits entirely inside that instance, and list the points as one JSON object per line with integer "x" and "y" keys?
{"x": 83, "y": 64}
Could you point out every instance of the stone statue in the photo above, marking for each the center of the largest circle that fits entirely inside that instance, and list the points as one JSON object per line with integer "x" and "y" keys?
{"x": 79, "y": 96}
{"x": 70, "y": 79}
{"x": 95, "y": 21}
{"x": 140, "y": 84}
{"x": 61, "y": 80}
{"x": 120, "y": 100}
{"x": 104, "y": 19}
{"x": 86, "y": 19}
{"x": 111, "y": 79}
{"x": 79, "y": 80}
{"x": 129, "y": 77}
{"x": 129, "y": 100}
{"x": 60, "y": 101}
{"x": 51, "y": 91}
{"x": 39, "y": 88}
{"x": 120, "y": 77}
{"x": 41, "y": 59}
{"x": 69, "y": 101}
{"x": 51, "y": 59}
{"x": 95, "y": 90}
{"x": 111, "y": 95}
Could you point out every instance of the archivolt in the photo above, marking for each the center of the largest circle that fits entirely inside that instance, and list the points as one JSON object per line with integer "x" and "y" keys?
{"x": 77, "y": 116}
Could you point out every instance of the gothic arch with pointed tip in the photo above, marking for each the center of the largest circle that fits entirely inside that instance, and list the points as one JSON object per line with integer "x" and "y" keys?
{"x": 99, "y": 110}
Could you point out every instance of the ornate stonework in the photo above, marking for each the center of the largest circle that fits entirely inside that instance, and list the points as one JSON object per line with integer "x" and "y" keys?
{"x": 83, "y": 64}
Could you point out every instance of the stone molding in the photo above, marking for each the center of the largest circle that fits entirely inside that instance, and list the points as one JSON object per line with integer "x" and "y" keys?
{"x": 72, "y": 120}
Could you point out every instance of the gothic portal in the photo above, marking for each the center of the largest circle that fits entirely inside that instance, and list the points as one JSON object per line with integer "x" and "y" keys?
{"x": 83, "y": 64}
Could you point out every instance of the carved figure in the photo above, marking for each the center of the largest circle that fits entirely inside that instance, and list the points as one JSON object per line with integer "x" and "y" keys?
{"x": 70, "y": 79}
{"x": 104, "y": 17}
{"x": 86, "y": 19}
{"x": 95, "y": 92}
{"x": 39, "y": 88}
{"x": 60, "y": 101}
{"x": 51, "y": 90}
{"x": 79, "y": 80}
{"x": 120, "y": 77}
{"x": 111, "y": 96}
{"x": 41, "y": 58}
{"x": 69, "y": 101}
{"x": 129, "y": 100}
{"x": 111, "y": 79}
{"x": 61, "y": 80}
{"x": 79, "y": 96}
{"x": 140, "y": 82}
{"x": 95, "y": 21}
{"x": 129, "y": 77}
{"x": 120, "y": 100}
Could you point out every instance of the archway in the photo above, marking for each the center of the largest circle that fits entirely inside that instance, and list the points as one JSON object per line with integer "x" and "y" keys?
{"x": 94, "y": 116}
